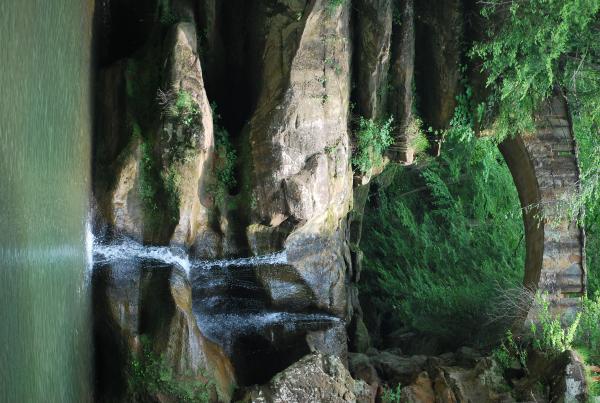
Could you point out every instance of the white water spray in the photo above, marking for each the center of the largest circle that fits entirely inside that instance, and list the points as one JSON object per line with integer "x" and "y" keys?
{"x": 270, "y": 259}
{"x": 128, "y": 249}
{"x": 89, "y": 244}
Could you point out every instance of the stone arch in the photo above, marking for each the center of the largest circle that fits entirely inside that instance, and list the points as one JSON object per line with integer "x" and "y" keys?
{"x": 545, "y": 171}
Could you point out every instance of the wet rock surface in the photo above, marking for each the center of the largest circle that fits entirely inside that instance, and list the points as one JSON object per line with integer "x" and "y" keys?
{"x": 261, "y": 334}
{"x": 151, "y": 300}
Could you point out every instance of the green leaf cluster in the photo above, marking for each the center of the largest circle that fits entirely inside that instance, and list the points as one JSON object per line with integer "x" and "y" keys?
{"x": 392, "y": 395}
{"x": 182, "y": 109}
{"x": 441, "y": 237}
{"x": 534, "y": 46}
{"x": 226, "y": 158}
{"x": 510, "y": 351}
{"x": 533, "y": 49}
{"x": 588, "y": 333}
{"x": 372, "y": 139}
{"x": 150, "y": 375}
{"x": 548, "y": 333}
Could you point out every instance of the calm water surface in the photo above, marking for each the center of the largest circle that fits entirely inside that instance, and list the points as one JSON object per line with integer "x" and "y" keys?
{"x": 45, "y": 346}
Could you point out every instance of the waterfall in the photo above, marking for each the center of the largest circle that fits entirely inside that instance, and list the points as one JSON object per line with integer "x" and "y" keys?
{"x": 127, "y": 249}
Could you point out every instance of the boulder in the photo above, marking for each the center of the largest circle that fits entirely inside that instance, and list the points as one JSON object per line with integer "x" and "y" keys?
{"x": 314, "y": 378}
{"x": 481, "y": 383}
{"x": 396, "y": 369}
{"x": 330, "y": 341}
{"x": 432, "y": 379}
{"x": 360, "y": 341}
{"x": 420, "y": 391}
{"x": 360, "y": 367}
{"x": 570, "y": 384}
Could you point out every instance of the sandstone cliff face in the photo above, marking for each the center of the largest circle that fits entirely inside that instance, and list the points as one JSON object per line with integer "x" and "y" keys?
{"x": 156, "y": 173}
{"x": 156, "y": 164}
{"x": 302, "y": 180}
{"x": 155, "y": 154}
{"x": 281, "y": 73}
{"x": 140, "y": 300}
{"x": 194, "y": 171}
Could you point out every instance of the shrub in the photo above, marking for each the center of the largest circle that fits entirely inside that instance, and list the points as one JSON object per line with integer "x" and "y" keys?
{"x": 154, "y": 182}
{"x": 549, "y": 335}
{"x": 225, "y": 161}
{"x": 392, "y": 395}
{"x": 150, "y": 374}
{"x": 418, "y": 139}
{"x": 372, "y": 139}
{"x": 510, "y": 351}
{"x": 440, "y": 238}
{"x": 588, "y": 333}
{"x": 182, "y": 109}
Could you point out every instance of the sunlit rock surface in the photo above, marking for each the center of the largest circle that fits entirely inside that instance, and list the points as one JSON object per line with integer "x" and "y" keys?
{"x": 314, "y": 378}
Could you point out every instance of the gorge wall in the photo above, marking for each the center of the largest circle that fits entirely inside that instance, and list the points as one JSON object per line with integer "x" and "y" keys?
{"x": 225, "y": 128}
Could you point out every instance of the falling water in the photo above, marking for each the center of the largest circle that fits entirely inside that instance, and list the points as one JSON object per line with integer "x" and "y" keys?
{"x": 45, "y": 344}
{"x": 231, "y": 304}
{"x": 127, "y": 249}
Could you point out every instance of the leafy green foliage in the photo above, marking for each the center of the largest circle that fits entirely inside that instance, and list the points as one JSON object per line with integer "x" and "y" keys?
{"x": 418, "y": 139}
{"x": 534, "y": 48}
{"x": 150, "y": 374}
{"x": 442, "y": 237}
{"x": 587, "y": 135}
{"x": 182, "y": 109}
{"x": 225, "y": 161}
{"x": 549, "y": 335}
{"x": 372, "y": 139}
{"x": 588, "y": 333}
{"x": 392, "y": 395}
{"x": 510, "y": 351}
{"x": 332, "y": 5}
{"x": 153, "y": 181}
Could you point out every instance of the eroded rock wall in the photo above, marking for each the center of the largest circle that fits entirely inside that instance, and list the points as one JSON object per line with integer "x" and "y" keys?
{"x": 141, "y": 308}
{"x": 157, "y": 158}
{"x": 153, "y": 156}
